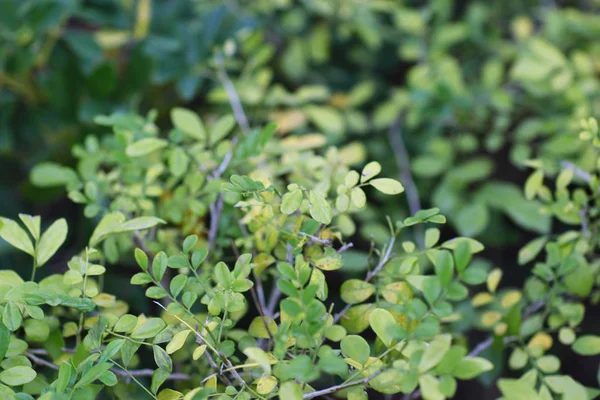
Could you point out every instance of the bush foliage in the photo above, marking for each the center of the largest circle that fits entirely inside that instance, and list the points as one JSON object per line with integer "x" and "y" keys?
{"x": 299, "y": 199}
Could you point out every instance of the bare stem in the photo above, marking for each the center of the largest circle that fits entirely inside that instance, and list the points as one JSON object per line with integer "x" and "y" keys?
{"x": 403, "y": 163}
{"x": 336, "y": 388}
{"x": 382, "y": 262}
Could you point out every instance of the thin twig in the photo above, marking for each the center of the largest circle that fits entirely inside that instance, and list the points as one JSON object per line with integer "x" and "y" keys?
{"x": 215, "y": 215}
{"x": 232, "y": 95}
{"x": 578, "y": 172}
{"x": 41, "y": 361}
{"x": 336, "y": 388}
{"x": 176, "y": 376}
{"x": 345, "y": 247}
{"x": 403, "y": 164}
{"x": 382, "y": 262}
{"x": 326, "y": 242}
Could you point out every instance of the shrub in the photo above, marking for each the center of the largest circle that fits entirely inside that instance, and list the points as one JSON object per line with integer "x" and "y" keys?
{"x": 456, "y": 101}
{"x": 237, "y": 235}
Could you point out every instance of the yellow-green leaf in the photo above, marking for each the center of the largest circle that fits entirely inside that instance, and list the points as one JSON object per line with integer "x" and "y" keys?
{"x": 382, "y": 322}
{"x": 188, "y": 122}
{"x": 50, "y": 241}
{"x": 259, "y": 356}
{"x": 370, "y": 170}
{"x": 145, "y": 146}
{"x": 356, "y": 291}
{"x": 15, "y": 235}
{"x": 387, "y": 185}
{"x": 178, "y": 341}
{"x": 320, "y": 209}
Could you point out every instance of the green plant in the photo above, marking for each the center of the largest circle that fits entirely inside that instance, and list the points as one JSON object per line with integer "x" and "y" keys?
{"x": 456, "y": 101}
{"x": 283, "y": 213}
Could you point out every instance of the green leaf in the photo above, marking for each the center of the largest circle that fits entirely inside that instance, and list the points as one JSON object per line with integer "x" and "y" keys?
{"x": 106, "y": 226}
{"x": 15, "y": 235}
{"x": 12, "y": 317}
{"x": 159, "y": 265}
{"x": 387, "y": 185}
{"x": 472, "y": 219}
{"x": 17, "y": 376}
{"x": 357, "y": 318}
{"x": 531, "y": 250}
{"x": 141, "y": 258}
{"x": 126, "y": 323}
{"x": 50, "y": 241}
{"x": 64, "y": 375}
{"x": 178, "y": 161}
{"x": 290, "y": 391}
{"x": 222, "y": 275}
{"x": 139, "y": 223}
{"x": 444, "y": 267}
{"x": 109, "y": 378}
{"x": 335, "y": 333}
{"x": 177, "y": 284}
{"x": 259, "y": 325}
{"x": 513, "y": 389}
{"x": 355, "y": 291}
{"x": 188, "y": 122}
{"x": 189, "y": 243}
{"x": 358, "y": 197}
{"x": 462, "y": 256}
{"x": 50, "y": 174}
{"x": 178, "y": 341}
{"x": 36, "y": 330}
{"x": 159, "y": 377}
{"x": 588, "y": 345}
{"x": 470, "y": 367}
{"x": 291, "y": 201}
{"x": 179, "y": 261}
{"x": 356, "y": 348}
{"x": 320, "y": 209}
{"x": 198, "y": 256}
{"x": 327, "y": 119}
{"x": 259, "y": 356}
{"x": 382, "y": 322}
{"x": 431, "y": 289}
{"x": 150, "y": 328}
{"x": 162, "y": 359}
{"x": 447, "y": 386}
{"x": 329, "y": 261}
{"x": 434, "y": 352}
{"x": 145, "y": 146}
{"x": 430, "y": 388}
{"x": 155, "y": 292}
{"x": 4, "y": 340}
{"x": 111, "y": 349}
{"x": 32, "y": 223}
{"x": 221, "y": 128}
{"x": 533, "y": 184}
{"x": 93, "y": 373}
{"x": 370, "y": 170}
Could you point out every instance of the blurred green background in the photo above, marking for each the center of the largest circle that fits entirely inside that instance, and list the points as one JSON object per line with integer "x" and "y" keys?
{"x": 455, "y": 94}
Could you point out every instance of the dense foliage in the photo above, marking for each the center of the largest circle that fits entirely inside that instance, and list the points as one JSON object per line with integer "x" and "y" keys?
{"x": 299, "y": 199}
